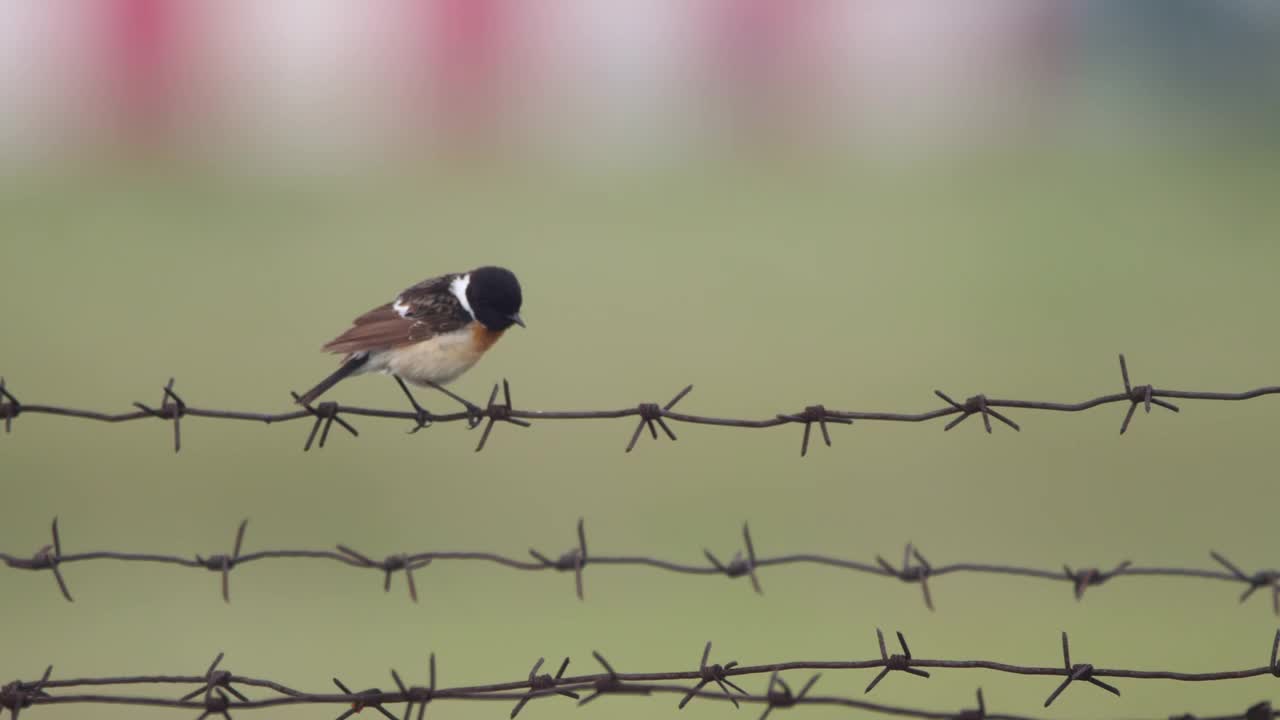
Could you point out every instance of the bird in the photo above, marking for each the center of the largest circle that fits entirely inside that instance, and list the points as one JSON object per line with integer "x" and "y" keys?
{"x": 432, "y": 332}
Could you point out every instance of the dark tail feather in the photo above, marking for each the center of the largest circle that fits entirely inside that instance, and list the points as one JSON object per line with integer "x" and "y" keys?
{"x": 354, "y": 363}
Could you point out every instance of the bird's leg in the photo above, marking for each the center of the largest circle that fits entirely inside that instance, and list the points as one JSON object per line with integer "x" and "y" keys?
{"x": 475, "y": 412}
{"x": 423, "y": 415}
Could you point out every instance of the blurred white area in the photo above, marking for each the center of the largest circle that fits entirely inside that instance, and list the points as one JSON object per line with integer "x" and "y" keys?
{"x": 322, "y": 83}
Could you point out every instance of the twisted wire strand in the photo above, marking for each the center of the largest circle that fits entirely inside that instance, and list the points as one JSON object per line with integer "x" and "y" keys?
{"x": 914, "y": 568}
{"x": 219, "y": 692}
{"x": 651, "y": 416}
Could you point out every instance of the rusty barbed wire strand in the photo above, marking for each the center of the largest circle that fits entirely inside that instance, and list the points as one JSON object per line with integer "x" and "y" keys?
{"x": 746, "y": 562}
{"x": 324, "y": 415}
{"x": 216, "y": 691}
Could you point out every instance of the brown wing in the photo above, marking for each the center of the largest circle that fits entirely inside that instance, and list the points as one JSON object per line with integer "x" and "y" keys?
{"x": 419, "y": 313}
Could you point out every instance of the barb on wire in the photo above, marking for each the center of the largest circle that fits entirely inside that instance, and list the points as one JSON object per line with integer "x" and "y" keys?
{"x": 714, "y": 673}
{"x": 9, "y": 407}
{"x": 739, "y": 566}
{"x": 215, "y": 680}
{"x": 14, "y": 696}
{"x": 215, "y": 694}
{"x": 1080, "y": 671}
{"x": 894, "y": 662}
{"x": 782, "y": 697}
{"x": 48, "y": 557}
{"x": 915, "y": 568}
{"x": 1260, "y": 579}
{"x": 648, "y": 415}
{"x": 1086, "y": 577}
{"x": 612, "y": 682}
{"x": 544, "y": 684}
{"x": 224, "y": 563}
{"x": 417, "y": 694}
{"x": 809, "y": 416}
{"x": 371, "y": 698}
{"x": 651, "y": 414}
{"x": 171, "y": 408}
{"x": 1139, "y": 394}
{"x": 498, "y": 412}
{"x": 976, "y": 405}
{"x": 912, "y": 573}
{"x": 978, "y": 713}
{"x": 573, "y": 560}
{"x": 326, "y": 414}
{"x": 392, "y": 564}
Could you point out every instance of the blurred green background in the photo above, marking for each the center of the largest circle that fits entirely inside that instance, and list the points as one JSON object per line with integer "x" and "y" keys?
{"x": 772, "y": 265}
{"x": 767, "y": 286}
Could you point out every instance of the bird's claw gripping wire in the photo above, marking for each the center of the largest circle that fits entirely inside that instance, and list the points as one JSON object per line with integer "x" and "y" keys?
{"x": 815, "y": 414}
{"x": 976, "y": 405}
{"x": 573, "y": 559}
{"x": 474, "y": 412}
{"x": 422, "y": 417}
{"x": 1139, "y": 395}
{"x": 739, "y": 566}
{"x": 172, "y": 408}
{"x": 1085, "y": 578}
{"x": 917, "y": 572}
{"x": 651, "y": 415}
{"x": 896, "y": 662}
{"x": 715, "y": 673}
{"x": 1079, "y": 671}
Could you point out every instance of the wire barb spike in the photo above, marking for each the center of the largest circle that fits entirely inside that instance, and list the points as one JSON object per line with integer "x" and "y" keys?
{"x": 544, "y": 684}
{"x": 714, "y": 673}
{"x": 814, "y": 414}
{"x": 1079, "y": 671}
{"x": 910, "y": 572}
{"x": 223, "y": 563}
{"x": 324, "y": 415}
{"x": 10, "y": 408}
{"x": 1139, "y": 394}
{"x": 739, "y": 566}
{"x": 901, "y": 662}
{"x": 574, "y": 559}
{"x": 1087, "y": 577}
{"x": 652, "y": 417}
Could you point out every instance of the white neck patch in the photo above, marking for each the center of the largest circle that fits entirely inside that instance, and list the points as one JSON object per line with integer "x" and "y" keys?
{"x": 459, "y": 289}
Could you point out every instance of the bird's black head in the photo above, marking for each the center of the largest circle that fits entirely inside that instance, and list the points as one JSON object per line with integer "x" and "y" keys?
{"x": 494, "y": 295}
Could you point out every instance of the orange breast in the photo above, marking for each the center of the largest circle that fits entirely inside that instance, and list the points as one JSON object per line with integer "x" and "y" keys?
{"x": 483, "y": 338}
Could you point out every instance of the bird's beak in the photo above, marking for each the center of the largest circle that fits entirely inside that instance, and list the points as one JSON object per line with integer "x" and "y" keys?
{"x": 515, "y": 318}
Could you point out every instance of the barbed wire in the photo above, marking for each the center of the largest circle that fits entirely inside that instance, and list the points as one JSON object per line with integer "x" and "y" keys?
{"x": 216, "y": 691}
{"x": 745, "y": 562}
{"x": 173, "y": 408}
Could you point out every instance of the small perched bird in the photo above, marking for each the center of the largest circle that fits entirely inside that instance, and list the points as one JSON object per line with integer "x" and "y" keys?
{"x": 431, "y": 333}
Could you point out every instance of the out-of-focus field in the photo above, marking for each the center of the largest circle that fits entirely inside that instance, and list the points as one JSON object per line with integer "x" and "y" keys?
{"x": 767, "y": 286}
